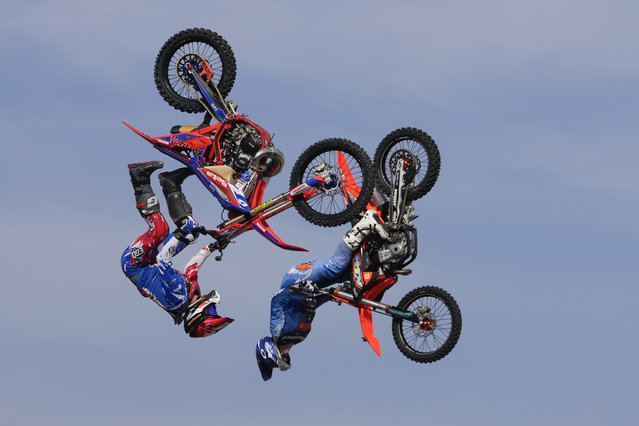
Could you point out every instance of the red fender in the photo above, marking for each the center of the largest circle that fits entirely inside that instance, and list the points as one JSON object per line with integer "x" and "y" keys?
{"x": 366, "y": 315}
{"x": 262, "y": 227}
{"x": 350, "y": 186}
{"x": 366, "y": 321}
{"x": 145, "y": 136}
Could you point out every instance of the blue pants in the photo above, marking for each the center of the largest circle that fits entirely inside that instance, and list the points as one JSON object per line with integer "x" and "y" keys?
{"x": 292, "y": 313}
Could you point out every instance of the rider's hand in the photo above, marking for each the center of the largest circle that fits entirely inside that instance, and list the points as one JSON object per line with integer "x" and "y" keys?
{"x": 187, "y": 226}
{"x": 308, "y": 287}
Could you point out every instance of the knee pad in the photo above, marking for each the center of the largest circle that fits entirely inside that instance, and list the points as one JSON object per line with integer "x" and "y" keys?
{"x": 179, "y": 208}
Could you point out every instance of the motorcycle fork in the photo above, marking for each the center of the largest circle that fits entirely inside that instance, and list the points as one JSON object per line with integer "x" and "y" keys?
{"x": 219, "y": 112}
{"x": 402, "y": 180}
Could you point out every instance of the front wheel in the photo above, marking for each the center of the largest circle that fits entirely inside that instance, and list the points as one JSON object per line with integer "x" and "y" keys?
{"x": 424, "y": 152}
{"x": 438, "y": 330}
{"x": 192, "y": 46}
{"x": 351, "y": 165}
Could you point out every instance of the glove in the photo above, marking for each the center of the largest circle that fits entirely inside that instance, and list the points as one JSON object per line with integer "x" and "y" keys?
{"x": 187, "y": 226}
{"x": 308, "y": 287}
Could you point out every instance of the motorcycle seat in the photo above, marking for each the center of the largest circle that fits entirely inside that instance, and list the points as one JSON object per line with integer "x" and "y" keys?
{"x": 225, "y": 172}
{"x": 182, "y": 129}
{"x": 402, "y": 271}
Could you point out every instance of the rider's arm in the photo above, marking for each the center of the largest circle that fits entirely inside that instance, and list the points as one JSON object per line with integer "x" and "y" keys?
{"x": 193, "y": 266}
{"x": 186, "y": 234}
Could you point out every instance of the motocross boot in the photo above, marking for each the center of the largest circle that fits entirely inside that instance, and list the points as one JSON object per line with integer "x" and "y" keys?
{"x": 370, "y": 223}
{"x": 145, "y": 199}
{"x": 171, "y": 183}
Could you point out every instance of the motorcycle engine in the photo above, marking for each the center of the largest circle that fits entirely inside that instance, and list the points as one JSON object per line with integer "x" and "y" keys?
{"x": 394, "y": 253}
{"x": 240, "y": 144}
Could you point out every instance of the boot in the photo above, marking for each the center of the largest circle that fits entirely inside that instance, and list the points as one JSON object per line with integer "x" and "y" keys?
{"x": 141, "y": 172}
{"x": 368, "y": 224}
{"x": 145, "y": 199}
{"x": 171, "y": 183}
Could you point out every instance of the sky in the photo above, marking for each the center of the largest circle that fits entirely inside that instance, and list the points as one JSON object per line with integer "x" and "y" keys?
{"x": 532, "y": 225}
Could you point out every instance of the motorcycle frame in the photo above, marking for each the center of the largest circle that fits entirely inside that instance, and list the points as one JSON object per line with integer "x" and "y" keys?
{"x": 373, "y": 284}
{"x": 188, "y": 148}
{"x": 256, "y": 218}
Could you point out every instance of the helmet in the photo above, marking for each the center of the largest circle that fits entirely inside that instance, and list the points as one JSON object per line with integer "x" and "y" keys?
{"x": 266, "y": 358}
{"x": 269, "y": 357}
{"x": 201, "y": 318}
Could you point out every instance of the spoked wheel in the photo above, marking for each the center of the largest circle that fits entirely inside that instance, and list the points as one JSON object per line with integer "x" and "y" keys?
{"x": 351, "y": 165}
{"x": 190, "y": 47}
{"x": 438, "y": 330}
{"x": 426, "y": 159}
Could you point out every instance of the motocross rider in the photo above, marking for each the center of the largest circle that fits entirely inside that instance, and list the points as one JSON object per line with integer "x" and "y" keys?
{"x": 147, "y": 261}
{"x": 293, "y": 306}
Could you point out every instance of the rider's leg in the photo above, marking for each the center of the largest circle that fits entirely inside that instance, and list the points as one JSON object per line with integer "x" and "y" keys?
{"x": 142, "y": 251}
{"x": 146, "y": 201}
{"x": 291, "y": 316}
{"x": 179, "y": 209}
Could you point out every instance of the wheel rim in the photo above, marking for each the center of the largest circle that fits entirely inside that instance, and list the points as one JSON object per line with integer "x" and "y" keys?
{"x": 188, "y": 52}
{"x": 414, "y": 147}
{"x": 333, "y": 201}
{"x": 432, "y": 333}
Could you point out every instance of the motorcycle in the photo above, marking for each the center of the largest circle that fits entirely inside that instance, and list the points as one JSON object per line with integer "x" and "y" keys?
{"x": 427, "y": 322}
{"x": 235, "y": 158}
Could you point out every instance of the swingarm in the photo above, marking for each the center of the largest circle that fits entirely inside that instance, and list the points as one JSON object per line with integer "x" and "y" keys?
{"x": 340, "y": 296}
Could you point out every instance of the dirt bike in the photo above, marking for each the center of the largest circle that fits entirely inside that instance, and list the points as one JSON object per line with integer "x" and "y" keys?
{"x": 426, "y": 323}
{"x": 235, "y": 158}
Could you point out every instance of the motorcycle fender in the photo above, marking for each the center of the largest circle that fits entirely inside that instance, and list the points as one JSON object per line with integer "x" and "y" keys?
{"x": 350, "y": 186}
{"x": 154, "y": 141}
{"x": 365, "y": 314}
{"x": 192, "y": 141}
{"x": 366, "y": 321}
{"x": 263, "y": 229}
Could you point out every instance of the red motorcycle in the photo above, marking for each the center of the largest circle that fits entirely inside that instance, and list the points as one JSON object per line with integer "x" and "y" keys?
{"x": 235, "y": 158}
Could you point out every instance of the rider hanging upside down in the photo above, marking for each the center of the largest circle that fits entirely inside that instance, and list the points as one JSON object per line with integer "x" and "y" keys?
{"x": 147, "y": 261}
{"x": 293, "y": 307}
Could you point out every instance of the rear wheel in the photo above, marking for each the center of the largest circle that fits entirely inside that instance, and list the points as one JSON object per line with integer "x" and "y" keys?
{"x": 352, "y": 166}
{"x": 438, "y": 330}
{"x": 191, "y": 46}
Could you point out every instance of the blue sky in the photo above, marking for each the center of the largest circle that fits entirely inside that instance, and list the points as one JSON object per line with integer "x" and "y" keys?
{"x": 532, "y": 225}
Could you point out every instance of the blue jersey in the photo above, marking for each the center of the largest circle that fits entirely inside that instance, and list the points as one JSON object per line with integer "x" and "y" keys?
{"x": 160, "y": 282}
